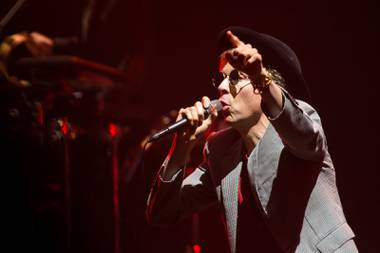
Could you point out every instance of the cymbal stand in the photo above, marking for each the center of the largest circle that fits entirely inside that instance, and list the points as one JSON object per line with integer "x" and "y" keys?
{"x": 66, "y": 132}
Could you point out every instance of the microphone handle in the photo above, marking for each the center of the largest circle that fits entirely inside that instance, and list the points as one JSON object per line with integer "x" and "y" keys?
{"x": 172, "y": 128}
{"x": 182, "y": 122}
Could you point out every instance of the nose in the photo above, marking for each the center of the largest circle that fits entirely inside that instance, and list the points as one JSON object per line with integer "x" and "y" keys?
{"x": 223, "y": 87}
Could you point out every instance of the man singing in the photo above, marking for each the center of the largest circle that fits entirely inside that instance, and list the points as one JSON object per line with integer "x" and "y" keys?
{"x": 269, "y": 172}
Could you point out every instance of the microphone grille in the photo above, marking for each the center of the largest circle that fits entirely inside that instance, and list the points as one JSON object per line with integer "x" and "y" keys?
{"x": 216, "y": 104}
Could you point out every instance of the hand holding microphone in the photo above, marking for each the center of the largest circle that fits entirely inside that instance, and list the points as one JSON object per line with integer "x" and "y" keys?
{"x": 192, "y": 122}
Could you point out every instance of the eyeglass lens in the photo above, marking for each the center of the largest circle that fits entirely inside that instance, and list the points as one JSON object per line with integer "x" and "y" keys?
{"x": 233, "y": 78}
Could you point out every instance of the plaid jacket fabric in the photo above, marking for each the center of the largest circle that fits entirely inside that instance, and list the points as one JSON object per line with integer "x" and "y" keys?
{"x": 290, "y": 171}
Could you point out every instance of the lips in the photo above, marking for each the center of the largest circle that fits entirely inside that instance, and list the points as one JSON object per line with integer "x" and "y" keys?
{"x": 224, "y": 103}
{"x": 225, "y": 107}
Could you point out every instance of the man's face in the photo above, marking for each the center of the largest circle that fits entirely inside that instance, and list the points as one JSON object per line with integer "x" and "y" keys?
{"x": 241, "y": 105}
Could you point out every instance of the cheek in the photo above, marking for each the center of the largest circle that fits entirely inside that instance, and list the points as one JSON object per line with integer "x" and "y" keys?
{"x": 254, "y": 102}
{"x": 251, "y": 99}
{"x": 247, "y": 105}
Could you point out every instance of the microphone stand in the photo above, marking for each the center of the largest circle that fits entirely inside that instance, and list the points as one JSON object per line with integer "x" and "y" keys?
{"x": 16, "y": 7}
{"x": 66, "y": 132}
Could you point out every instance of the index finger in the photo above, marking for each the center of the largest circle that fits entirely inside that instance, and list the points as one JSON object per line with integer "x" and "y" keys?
{"x": 235, "y": 41}
{"x": 205, "y": 102}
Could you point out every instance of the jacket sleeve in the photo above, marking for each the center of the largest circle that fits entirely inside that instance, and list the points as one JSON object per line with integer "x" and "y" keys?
{"x": 300, "y": 128}
{"x": 170, "y": 201}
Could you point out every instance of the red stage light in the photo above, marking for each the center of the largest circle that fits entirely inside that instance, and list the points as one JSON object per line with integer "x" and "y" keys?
{"x": 197, "y": 248}
{"x": 113, "y": 129}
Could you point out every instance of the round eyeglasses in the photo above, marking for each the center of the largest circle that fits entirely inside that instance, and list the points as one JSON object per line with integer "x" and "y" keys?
{"x": 233, "y": 78}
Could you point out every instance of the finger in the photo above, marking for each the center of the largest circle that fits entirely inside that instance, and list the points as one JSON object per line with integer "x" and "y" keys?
{"x": 37, "y": 49}
{"x": 39, "y": 38}
{"x": 181, "y": 114}
{"x": 213, "y": 113}
{"x": 228, "y": 56}
{"x": 205, "y": 102}
{"x": 254, "y": 50}
{"x": 194, "y": 116}
{"x": 232, "y": 58}
{"x": 255, "y": 58}
{"x": 235, "y": 41}
{"x": 241, "y": 58}
{"x": 254, "y": 64}
{"x": 246, "y": 53}
{"x": 200, "y": 110}
{"x": 186, "y": 113}
{"x": 248, "y": 45}
{"x": 33, "y": 49}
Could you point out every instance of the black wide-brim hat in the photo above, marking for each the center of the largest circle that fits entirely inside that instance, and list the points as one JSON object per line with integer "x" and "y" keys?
{"x": 275, "y": 54}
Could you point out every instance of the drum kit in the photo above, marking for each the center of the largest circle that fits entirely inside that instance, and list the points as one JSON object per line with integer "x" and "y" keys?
{"x": 67, "y": 99}
{"x": 65, "y": 130}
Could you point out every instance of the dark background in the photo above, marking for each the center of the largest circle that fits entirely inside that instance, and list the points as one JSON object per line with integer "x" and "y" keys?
{"x": 167, "y": 47}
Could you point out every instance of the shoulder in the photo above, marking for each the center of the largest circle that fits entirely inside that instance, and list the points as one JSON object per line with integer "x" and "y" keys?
{"x": 301, "y": 104}
{"x": 305, "y": 106}
{"x": 309, "y": 110}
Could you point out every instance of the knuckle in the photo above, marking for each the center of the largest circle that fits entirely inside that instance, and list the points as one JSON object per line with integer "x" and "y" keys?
{"x": 241, "y": 56}
{"x": 194, "y": 111}
{"x": 206, "y": 103}
{"x": 198, "y": 104}
{"x": 188, "y": 111}
{"x": 205, "y": 98}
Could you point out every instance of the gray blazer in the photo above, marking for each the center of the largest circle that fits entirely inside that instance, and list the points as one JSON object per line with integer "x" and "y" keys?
{"x": 290, "y": 171}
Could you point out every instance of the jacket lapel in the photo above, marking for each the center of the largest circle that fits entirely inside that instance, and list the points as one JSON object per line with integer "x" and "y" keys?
{"x": 230, "y": 188}
{"x": 226, "y": 159}
{"x": 262, "y": 165}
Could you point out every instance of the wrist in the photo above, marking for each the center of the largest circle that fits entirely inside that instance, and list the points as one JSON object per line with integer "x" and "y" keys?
{"x": 262, "y": 83}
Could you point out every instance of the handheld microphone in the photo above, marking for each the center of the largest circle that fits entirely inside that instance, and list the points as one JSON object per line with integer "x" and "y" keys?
{"x": 183, "y": 122}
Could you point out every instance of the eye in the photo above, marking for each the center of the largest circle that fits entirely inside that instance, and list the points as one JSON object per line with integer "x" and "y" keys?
{"x": 234, "y": 77}
{"x": 217, "y": 79}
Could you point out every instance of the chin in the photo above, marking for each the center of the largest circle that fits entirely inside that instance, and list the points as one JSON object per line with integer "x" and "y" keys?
{"x": 229, "y": 120}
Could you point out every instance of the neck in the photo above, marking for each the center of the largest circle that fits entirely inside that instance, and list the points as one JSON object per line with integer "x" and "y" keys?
{"x": 252, "y": 135}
